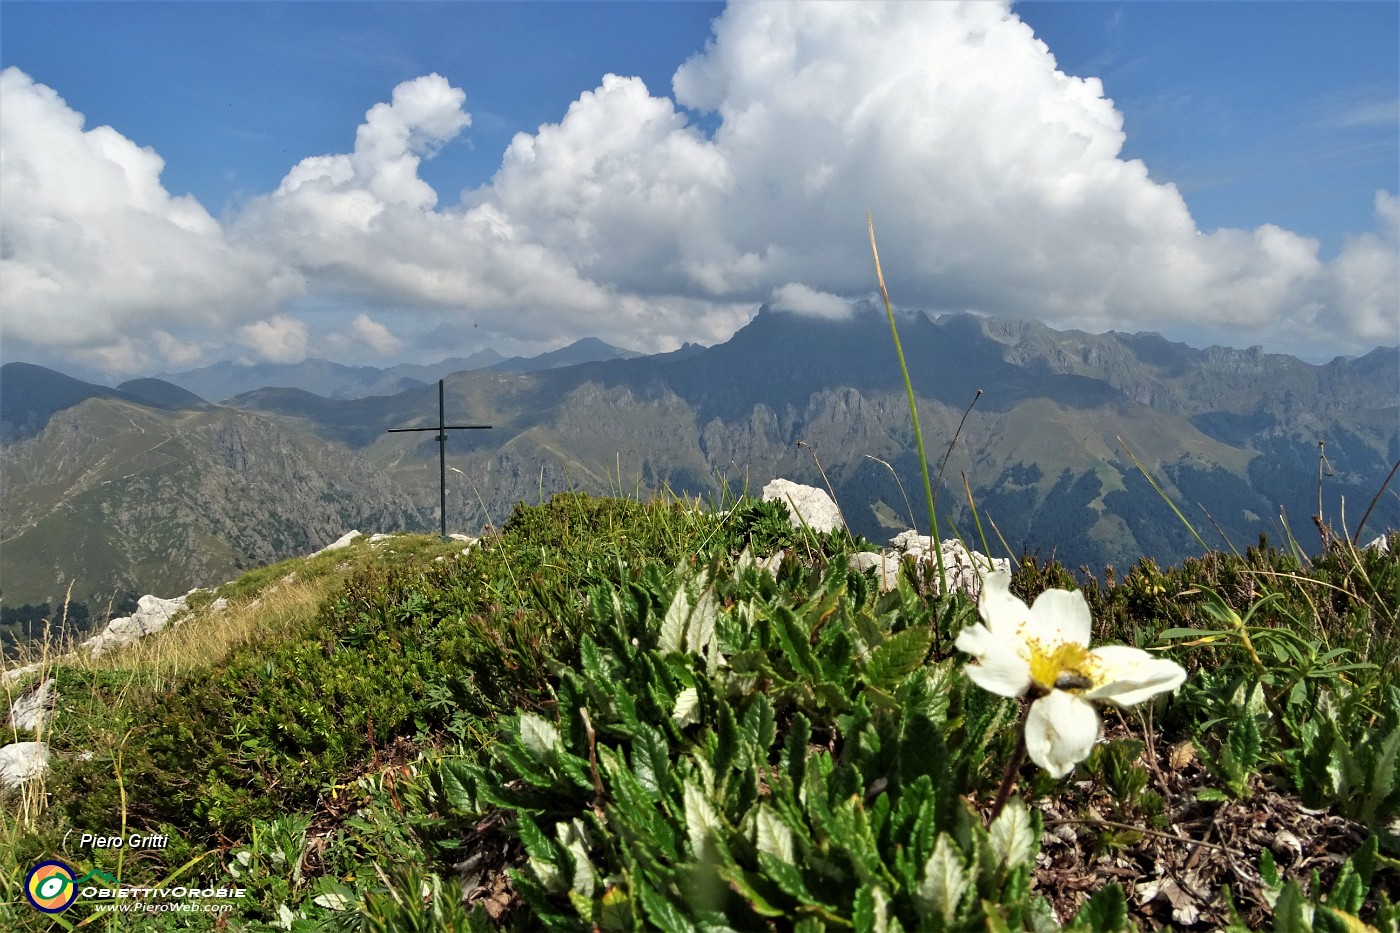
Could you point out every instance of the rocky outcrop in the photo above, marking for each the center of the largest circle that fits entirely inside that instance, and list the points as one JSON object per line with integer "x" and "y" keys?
{"x": 22, "y": 761}
{"x": 807, "y": 505}
{"x": 30, "y": 711}
{"x": 962, "y": 569}
{"x": 152, "y": 614}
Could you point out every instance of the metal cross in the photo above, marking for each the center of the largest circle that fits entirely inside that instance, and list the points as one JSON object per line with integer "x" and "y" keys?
{"x": 442, "y": 428}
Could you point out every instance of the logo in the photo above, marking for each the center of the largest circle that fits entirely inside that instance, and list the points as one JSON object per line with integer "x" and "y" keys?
{"x": 51, "y": 887}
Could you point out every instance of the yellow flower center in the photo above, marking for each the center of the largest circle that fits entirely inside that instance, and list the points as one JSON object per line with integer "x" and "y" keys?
{"x": 1062, "y": 665}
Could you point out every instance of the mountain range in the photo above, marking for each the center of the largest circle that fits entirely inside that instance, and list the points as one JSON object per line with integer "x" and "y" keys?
{"x": 151, "y": 487}
{"x": 335, "y": 380}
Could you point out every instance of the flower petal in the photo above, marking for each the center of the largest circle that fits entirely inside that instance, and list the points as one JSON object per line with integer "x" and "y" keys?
{"x": 1004, "y": 613}
{"x": 1000, "y": 668}
{"x": 1060, "y": 732}
{"x": 1126, "y": 675}
{"x": 1061, "y": 616}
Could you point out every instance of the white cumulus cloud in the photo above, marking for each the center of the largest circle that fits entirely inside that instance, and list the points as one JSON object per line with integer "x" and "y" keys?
{"x": 997, "y": 183}
{"x": 375, "y": 335}
{"x": 278, "y": 339}
{"x": 96, "y": 257}
{"x": 799, "y": 299}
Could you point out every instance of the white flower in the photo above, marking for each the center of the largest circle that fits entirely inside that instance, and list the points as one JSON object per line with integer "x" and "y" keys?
{"x": 1044, "y": 648}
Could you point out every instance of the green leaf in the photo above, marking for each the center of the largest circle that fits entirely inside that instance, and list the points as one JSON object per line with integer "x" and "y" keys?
{"x": 538, "y": 736}
{"x": 700, "y": 819}
{"x": 458, "y": 781}
{"x": 1106, "y": 911}
{"x": 687, "y": 709}
{"x": 771, "y": 834}
{"x": 793, "y": 641}
{"x": 759, "y": 727}
{"x": 872, "y": 909}
{"x": 702, "y": 621}
{"x": 787, "y": 876}
{"x": 794, "y": 758}
{"x": 1382, "y": 780}
{"x": 1011, "y": 837}
{"x": 727, "y": 740}
{"x": 898, "y": 656}
{"x": 673, "y": 627}
{"x": 662, "y": 912}
{"x": 944, "y": 881}
{"x": 1289, "y": 913}
{"x": 651, "y": 759}
{"x": 1172, "y": 634}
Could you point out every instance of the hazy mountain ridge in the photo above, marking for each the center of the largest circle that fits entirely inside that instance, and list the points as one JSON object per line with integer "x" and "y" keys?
{"x": 30, "y": 395}
{"x": 1233, "y": 432}
{"x": 223, "y": 381}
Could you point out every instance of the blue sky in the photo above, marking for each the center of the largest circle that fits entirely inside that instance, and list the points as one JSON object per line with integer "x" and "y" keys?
{"x": 1262, "y": 209}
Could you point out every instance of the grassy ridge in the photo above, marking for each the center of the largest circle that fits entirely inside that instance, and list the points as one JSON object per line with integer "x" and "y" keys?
{"x": 391, "y": 738}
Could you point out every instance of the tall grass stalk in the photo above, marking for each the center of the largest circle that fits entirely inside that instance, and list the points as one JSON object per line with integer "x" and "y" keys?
{"x": 913, "y": 409}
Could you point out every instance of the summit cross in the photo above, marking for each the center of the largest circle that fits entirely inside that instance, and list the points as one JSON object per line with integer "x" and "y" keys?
{"x": 442, "y": 428}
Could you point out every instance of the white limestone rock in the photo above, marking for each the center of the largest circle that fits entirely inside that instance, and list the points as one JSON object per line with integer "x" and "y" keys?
{"x": 32, "y": 709}
{"x": 22, "y": 761}
{"x": 17, "y": 673}
{"x": 806, "y": 505}
{"x": 152, "y": 614}
{"x": 886, "y": 567}
{"x": 343, "y": 541}
{"x": 963, "y": 569}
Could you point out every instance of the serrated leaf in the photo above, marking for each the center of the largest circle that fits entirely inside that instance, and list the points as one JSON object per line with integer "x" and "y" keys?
{"x": 771, "y": 834}
{"x": 794, "y": 758}
{"x": 1268, "y": 874}
{"x": 700, "y": 819}
{"x": 872, "y": 910}
{"x": 539, "y": 736}
{"x": 687, "y": 708}
{"x": 651, "y": 759}
{"x": 944, "y": 881}
{"x": 544, "y": 856}
{"x": 1011, "y": 837}
{"x": 702, "y": 621}
{"x": 898, "y": 656}
{"x": 1106, "y": 911}
{"x": 786, "y": 876}
{"x": 1290, "y": 911}
{"x": 793, "y": 641}
{"x": 1382, "y": 780}
{"x": 662, "y": 912}
{"x": 1347, "y": 921}
{"x": 573, "y": 838}
{"x": 458, "y": 781}
{"x": 673, "y": 626}
{"x": 1244, "y": 743}
{"x": 726, "y": 740}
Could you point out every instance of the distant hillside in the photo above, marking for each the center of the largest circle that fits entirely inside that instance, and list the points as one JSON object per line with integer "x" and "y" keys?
{"x": 222, "y": 381}
{"x": 117, "y": 496}
{"x": 1047, "y": 451}
{"x": 1231, "y": 434}
{"x": 161, "y": 394}
{"x": 30, "y": 395}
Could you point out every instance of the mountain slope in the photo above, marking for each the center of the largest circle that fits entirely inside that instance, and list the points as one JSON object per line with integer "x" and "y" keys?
{"x": 1048, "y": 450}
{"x": 116, "y": 496}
